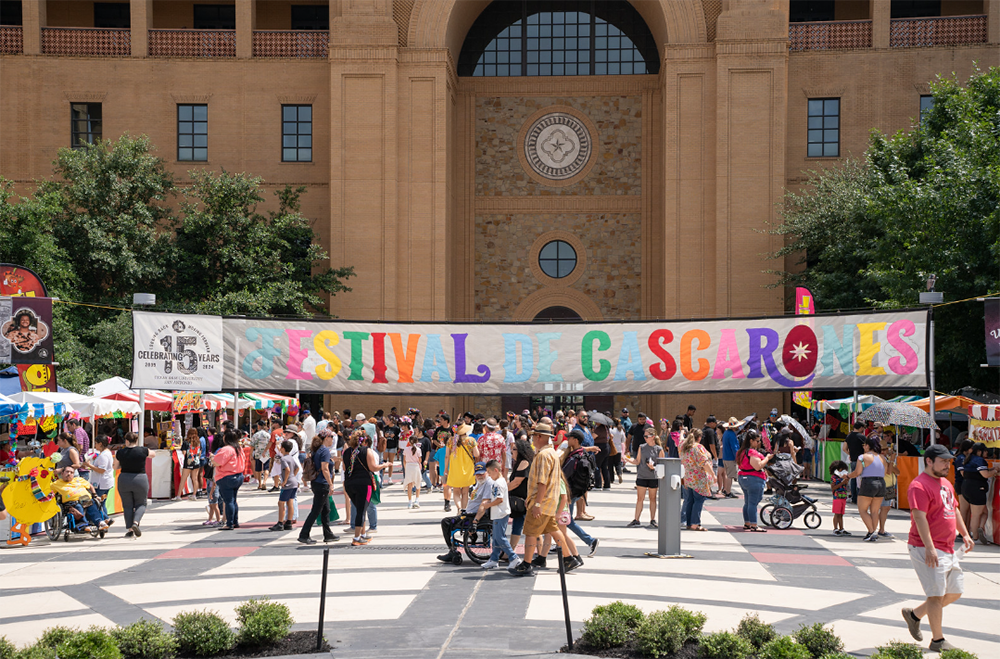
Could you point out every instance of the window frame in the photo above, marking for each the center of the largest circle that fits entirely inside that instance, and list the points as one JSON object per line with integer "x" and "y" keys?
{"x": 92, "y": 135}
{"x": 193, "y": 147}
{"x": 317, "y": 20}
{"x": 124, "y": 22}
{"x": 557, "y": 259}
{"x": 823, "y": 118}
{"x": 922, "y": 111}
{"x": 298, "y": 122}
{"x": 15, "y": 12}
{"x": 217, "y": 20}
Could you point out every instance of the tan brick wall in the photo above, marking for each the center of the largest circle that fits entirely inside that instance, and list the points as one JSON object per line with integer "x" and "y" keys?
{"x": 618, "y": 169}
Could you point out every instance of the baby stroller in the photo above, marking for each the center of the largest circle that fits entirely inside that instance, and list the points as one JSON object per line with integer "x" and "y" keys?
{"x": 475, "y": 539}
{"x": 787, "y": 503}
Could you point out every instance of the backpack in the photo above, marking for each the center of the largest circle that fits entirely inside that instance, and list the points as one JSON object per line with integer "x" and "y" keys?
{"x": 580, "y": 471}
{"x": 309, "y": 472}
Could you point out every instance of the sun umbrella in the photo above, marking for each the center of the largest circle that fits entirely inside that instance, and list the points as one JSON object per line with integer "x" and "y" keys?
{"x": 898, "y": 414}
{"x": 791, "y": 421}
{"x": 601, "y": 419}
{"x": 742, "y": 424}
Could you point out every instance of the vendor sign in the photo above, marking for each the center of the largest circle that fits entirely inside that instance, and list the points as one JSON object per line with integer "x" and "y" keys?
{"x": 26, "y": 330}
{"x": 871, "y": 351}
{"x": 186, "y": 402}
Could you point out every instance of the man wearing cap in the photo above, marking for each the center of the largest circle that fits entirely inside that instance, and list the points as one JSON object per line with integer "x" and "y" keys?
{"x": 626, "y": 421}
{"x": 543, "y": 497}
{"x": 484, "y": 487}
{"x": 730, "y": 446}
{"x": 931, "y": 544}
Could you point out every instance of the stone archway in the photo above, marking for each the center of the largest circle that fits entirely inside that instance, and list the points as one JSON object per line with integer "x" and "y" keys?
{"x": 444, "y": 23}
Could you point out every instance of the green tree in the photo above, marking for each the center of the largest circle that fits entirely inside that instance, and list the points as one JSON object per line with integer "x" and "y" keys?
{"x": 868, "y": 233}
{"x": 231, "y": 259}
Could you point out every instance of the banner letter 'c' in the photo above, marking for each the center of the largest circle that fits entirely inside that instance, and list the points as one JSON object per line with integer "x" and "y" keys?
{"x": 587, "y": 354}
{"x": 704, "y": 341}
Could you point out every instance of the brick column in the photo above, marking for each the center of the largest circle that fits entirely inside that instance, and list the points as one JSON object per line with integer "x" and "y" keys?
{"x": 246, "y": 22}
{"x": 33, "y": 20}
{"x": 880, "y": 14}
{"x": 142, "y": 20}
{"x": 992, "y": 20}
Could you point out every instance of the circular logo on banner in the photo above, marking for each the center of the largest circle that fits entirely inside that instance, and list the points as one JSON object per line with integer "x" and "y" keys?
{"x": 558, "y": 146}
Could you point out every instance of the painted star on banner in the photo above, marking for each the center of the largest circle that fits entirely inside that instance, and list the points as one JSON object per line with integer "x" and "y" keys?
{"x": 800, "y": 351}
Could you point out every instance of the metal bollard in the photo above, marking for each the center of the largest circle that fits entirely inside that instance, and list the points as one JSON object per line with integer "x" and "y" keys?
{"x": 668, "y": 473}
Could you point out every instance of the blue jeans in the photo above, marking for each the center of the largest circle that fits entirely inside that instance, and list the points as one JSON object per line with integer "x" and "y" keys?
{"x": 517, "y": 526}
{"x": 753, "y": 492}
{"x": 575, "y": 528}
{"x": 426, "y": 475}
{"x": 92, "y": 513}
{"x": 500, "y": 541}
{"x": 228, "y": 487}
{"x": 693, "y": 503}
{"x": 372, "y": 515}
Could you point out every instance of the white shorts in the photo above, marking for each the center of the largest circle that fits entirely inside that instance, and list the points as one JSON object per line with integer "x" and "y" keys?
{"x": 946, "y": 578}
{"x": 411, "y": 473}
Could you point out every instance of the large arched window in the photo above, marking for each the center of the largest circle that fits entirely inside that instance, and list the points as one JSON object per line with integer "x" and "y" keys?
{"x": 558, "y": 37}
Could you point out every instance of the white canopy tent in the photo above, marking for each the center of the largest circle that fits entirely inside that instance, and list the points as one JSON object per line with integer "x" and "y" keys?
{"x": 115, "y": 385}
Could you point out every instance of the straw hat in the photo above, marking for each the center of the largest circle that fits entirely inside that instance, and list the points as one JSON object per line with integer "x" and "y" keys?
{"x": 732, "y": 423}
{"x": 542, "y": 429}
{"x": 463, "y": 429}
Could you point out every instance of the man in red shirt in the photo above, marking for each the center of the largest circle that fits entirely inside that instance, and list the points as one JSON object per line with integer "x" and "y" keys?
{"x": 932, "y": 544}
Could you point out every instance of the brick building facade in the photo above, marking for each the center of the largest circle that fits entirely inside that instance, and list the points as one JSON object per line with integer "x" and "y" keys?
{"x": 419, "y": 177}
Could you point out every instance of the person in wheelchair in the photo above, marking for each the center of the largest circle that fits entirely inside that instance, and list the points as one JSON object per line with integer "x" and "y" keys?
{"x": 465, "y": 517}
{"x": 79, "y": 500}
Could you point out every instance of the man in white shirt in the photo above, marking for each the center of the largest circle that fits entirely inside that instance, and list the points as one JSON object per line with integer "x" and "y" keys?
{"x": 309, "y": 425}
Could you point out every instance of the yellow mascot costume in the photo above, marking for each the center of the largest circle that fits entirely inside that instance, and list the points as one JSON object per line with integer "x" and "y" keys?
{"x": 29, "y": 498}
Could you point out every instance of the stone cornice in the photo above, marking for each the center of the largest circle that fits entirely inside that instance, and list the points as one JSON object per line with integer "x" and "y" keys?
{"x": 85, "y": 97}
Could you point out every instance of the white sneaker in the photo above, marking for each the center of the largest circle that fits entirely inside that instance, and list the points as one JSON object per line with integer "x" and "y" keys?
{"x": 409, "y": 505}
{"x": 489, "y": 565}
{"x": 416, "y": 504}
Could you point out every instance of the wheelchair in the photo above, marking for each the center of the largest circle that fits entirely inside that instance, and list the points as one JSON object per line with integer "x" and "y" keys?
{"x": 64, "y": 523}
{"x": 477, "y": 542}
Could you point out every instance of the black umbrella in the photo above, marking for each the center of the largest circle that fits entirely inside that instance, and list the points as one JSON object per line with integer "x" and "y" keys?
{"x": 601, "y": 419}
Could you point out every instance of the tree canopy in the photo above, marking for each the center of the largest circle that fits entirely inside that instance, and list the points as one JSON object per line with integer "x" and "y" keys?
{"x": 112, "y": 221}
{"x": 868, "y": 233}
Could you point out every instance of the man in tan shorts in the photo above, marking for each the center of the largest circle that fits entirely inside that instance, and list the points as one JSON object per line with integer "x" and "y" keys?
{"x": 543, "y": 497}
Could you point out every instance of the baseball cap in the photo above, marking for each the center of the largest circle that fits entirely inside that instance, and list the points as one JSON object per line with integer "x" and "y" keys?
{"x": 938, "y": 451}
{"x": 774, "y": 411}
{"x": 360, "y": 417}
{"x": 480, "y": 468}
{"x": 624, "y": 410}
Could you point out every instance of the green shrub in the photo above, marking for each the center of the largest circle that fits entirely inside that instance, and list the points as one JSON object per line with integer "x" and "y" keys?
{"x": 955, "y": 653}
{"x": 7, "y": 649}
{"x": 665, "y": 632}
{"x": 95, "y": 643}
{"x": 724, "y": 645}
{"x": 203, "y": 633}
{"x": 53, "y": 637}
{"x": 145, "y": 639}
{"x": 819, "y": 640}
{"x": 611, "y": 625}
{"x": 754, "y": 630}
{"x": 784, "y": 647}
{"x": 263, "y": 622}
{"x": 898, "y": 650}
{"x": 838, "y": 655}
{"x": 37, "y": 652}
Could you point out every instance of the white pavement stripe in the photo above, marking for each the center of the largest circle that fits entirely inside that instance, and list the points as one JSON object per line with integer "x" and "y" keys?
{"x": 707, "y": 569}
{"x": 64, "y": 573}
{"x": 904, "y": 581}
{"x": 748, "y": 594}
{"x": 956, "y": 616}
{"x": 313, "y": 563}
{"x": 209, "y": 589}
{"x": 860, "y": 635}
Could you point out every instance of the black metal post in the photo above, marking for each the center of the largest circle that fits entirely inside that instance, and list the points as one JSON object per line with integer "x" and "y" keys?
{"x": 322, "y": 601}
{"x": 565, "y": 598}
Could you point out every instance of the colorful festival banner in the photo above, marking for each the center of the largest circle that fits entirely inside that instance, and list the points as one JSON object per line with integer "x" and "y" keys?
{"x": 992, "y": 309}
{"x": 26, "y": 330}
{"x": 881, "y": 350}
{"x": 186, "y": 401}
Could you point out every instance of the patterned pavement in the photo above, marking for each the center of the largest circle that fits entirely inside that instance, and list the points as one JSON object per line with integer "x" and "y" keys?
{"x": 393, "y": 599}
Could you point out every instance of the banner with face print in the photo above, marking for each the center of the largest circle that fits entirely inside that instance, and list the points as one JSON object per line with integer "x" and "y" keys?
{"x": 26, "y": 330}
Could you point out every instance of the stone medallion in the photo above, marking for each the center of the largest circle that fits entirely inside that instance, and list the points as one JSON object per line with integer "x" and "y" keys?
{"x": 558, "y": 146}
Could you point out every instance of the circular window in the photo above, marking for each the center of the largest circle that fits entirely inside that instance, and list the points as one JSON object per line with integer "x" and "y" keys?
{"x": 557, "y": 259}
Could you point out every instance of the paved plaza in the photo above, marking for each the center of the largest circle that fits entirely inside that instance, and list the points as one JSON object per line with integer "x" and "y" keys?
{"x": 394, "y": 599}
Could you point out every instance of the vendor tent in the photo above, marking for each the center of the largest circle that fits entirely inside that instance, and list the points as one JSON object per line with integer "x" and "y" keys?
{"x": 984, "y": 424}
{"x": 942, "y": 403}
{"x": 157, "y": 401}
{"x": 224, "y": 401}
{"x": 844, "y": 406}
{"x": 9, "y": 407}
{"x": 104, "y": 407}
{"x": 114, "y": 385}
{"x": 261, "y": 401}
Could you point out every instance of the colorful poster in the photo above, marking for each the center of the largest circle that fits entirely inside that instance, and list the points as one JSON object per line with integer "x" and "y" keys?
{"x": 879, "y": 350}
{"x": 804, "y": 306}
{"x": 37, "y": 377}
{"x": 992, "y": 309}
{"x": 16, "y": 281}
{"x": 177, "y": 352}
{"x": 186, "y": 402}
{"x": 27, "y": 330}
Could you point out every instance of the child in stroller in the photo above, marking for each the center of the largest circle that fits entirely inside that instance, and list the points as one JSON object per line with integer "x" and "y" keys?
{"x": 787, "y": 503}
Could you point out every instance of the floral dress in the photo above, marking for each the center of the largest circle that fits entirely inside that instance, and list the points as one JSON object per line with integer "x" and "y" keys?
{"x": 696, "y": 463}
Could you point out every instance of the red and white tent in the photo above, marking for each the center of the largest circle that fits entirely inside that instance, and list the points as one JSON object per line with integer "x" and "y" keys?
{"x": 984, "y": 424}
{"x": 158, "y": 401}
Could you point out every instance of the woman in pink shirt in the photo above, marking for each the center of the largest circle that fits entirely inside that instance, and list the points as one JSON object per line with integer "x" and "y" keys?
{"x": 229, "y": 465}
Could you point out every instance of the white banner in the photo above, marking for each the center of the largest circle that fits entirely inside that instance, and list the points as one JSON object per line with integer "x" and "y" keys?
{"x": 177, "y": 352}
{"x": 883, "y": 350}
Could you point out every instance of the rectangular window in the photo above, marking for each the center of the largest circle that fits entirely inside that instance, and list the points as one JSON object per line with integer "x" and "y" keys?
{"x": 85, "y": 124}
{"x": 10, "y": 12}
{"x": 914, "y": 8}
{"x": 215, "y": 17}
{"x": 296, "y": 133}
{"x": 926, "y": 103}
{"x": 310, "y": 17}
{"x": 824, "y": 128}
{"x": 805, "y": 11}
{"x": 112, "y": 14}
{"x": 192, "y": 132}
